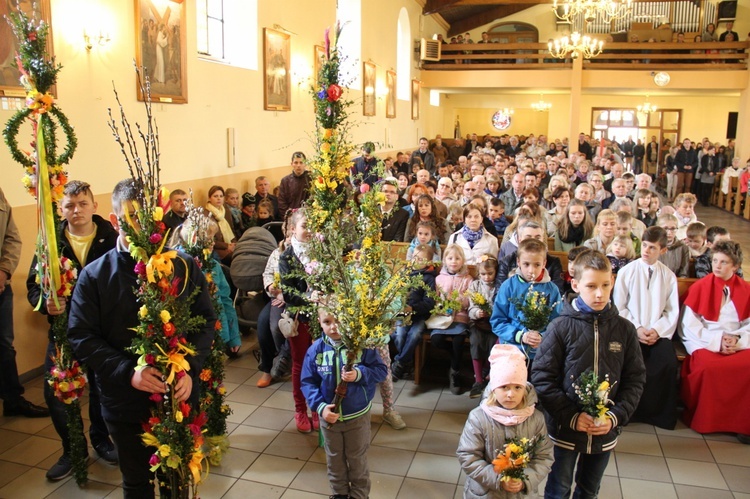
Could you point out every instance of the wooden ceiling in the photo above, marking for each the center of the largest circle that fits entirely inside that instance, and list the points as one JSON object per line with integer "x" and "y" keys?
{"x": 465, "y": 15}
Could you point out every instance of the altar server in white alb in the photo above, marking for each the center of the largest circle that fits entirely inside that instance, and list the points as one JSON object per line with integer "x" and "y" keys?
{"x": 646, "y": 295}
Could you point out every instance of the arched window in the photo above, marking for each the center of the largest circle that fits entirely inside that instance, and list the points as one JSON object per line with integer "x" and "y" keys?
{"x": 513, "y": 32}
{"x": 403, "y": 56}
{"x": 349, "y": 14}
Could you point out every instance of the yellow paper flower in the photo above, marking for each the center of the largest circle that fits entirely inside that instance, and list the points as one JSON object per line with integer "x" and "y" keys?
{"x": 158, "y": 213}
{"x": 161, "y": 264}
{"x": 165, "y": 450}
{"x": 150, "y": 440}
{"x": 178, "y": 416}
{"x": 196, "y": 467}
{"x": 143, "y": 312}
{"x": 164, "y": 315}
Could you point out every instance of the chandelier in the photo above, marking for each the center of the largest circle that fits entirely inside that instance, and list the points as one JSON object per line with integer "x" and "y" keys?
{"x": 646, "y": 107}
{"x": 574, "y": 45}
{"x": 606, "y": 10}
{"x": 541, "y": 105}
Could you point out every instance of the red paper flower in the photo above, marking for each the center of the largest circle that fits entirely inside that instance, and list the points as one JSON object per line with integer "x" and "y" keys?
{"x": 184, "y": 409}
{"x": 168, "y": 329}
{"x": 334, "y": 92}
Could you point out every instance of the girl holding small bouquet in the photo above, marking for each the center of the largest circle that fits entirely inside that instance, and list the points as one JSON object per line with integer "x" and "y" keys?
{"x": 482, "y": 293}
{"x": 503, "y": 449}
{"x": 452, "y": 284}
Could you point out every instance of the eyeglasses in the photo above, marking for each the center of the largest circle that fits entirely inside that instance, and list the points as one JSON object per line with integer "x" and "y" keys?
{"x": 670, "y": 229}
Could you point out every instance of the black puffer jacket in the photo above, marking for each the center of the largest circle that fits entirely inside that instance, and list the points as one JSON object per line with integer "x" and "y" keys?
{"x": 578, "y": 341}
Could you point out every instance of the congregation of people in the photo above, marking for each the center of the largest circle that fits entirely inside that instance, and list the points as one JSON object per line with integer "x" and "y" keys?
{"x": 484, "y": 221}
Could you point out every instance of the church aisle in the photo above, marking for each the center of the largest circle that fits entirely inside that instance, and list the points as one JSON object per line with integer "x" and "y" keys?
{"x": 270, "y": 459}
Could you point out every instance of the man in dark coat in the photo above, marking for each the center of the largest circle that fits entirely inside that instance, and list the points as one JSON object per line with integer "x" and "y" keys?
{"x": 295, "y": 187}
{"x": 103, "y": 312}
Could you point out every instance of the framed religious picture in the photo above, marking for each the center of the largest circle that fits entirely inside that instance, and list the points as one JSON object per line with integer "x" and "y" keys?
{"x": 319, "y": 57}
{"x": 10, "y": 84}
{"x": 390, "y": 98}
{"x": 161, "y": 48}
{"x": 415, "y": 87}
{"x": 277, "y": 90}
{"x": 368, "y": 95}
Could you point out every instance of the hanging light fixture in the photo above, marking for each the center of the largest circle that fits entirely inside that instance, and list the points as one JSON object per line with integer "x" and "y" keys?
{"x": 606, "y": 10}
{"x": 541, "y": 105}
{"x": 574, "y": 45}
{"x": 646, "y": 107}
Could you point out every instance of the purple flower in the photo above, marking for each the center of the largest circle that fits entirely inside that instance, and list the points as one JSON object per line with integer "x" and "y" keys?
{"x": 322, "y": 94}
{"x": 155, "y": 238}
{"x": 154, "y": 460}
{"x": 140, "y": 268}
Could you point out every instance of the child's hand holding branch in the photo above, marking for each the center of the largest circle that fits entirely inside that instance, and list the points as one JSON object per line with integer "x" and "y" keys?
{"x": 532, "y": 338}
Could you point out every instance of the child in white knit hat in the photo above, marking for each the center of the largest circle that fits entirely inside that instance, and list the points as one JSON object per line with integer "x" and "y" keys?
{"x": 507, "y": 413}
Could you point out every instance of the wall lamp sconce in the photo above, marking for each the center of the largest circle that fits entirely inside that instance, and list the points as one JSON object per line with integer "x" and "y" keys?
{"x": 102, "y": 39}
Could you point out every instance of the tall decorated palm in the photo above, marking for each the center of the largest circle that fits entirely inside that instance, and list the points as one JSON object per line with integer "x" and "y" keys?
{"x": 351, "y": 267}
{"x": 45, "y": 178}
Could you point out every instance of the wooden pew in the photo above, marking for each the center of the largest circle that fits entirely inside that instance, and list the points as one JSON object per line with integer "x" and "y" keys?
{"x": 563, "y": 256}
{"x": 716, "y": 193}
{"x": 683, "y": 284}
{"x": 733, "y": 195}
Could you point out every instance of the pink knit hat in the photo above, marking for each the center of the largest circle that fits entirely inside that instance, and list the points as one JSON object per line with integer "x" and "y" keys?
{"x": 507, "y": 366}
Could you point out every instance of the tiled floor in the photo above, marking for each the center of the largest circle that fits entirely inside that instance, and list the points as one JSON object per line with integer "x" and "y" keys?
{"x": 270, "y": 459}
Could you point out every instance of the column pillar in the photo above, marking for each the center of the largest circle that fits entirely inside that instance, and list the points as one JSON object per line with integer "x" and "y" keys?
{"x": 576, "y": 82}
{"x": 742, "y": 144}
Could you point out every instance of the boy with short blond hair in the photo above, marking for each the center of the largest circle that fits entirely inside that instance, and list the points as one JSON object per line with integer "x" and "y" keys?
{"x": 684, "y": 206}
{"x": 506, "y": 317}
{"x": 625, "y": 228}
{"x": 589, "y": 335}
{"x": 696, "y": 239}
{"x": 347, "y": 432}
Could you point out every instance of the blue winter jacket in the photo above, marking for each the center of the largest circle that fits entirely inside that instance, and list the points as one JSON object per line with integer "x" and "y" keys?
{"x": 321, "y": 373}
{"x": 506, "y": 318}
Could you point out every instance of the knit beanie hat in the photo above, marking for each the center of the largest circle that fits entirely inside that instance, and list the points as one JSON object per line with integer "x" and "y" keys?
{"x": 507, "y": 366}
{"x": 247, "y": 199}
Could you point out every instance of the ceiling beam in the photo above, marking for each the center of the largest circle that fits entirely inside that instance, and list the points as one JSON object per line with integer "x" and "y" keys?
{"x": 485, "y": 17}
{"x": 437, "y": 6}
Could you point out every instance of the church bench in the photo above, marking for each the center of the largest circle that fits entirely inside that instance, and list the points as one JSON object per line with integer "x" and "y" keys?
{"x": 733, "y": 196}
{"x": 683, "y": 284}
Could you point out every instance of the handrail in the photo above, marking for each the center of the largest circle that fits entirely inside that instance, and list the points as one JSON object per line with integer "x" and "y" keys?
{"x": 615, "y": 55}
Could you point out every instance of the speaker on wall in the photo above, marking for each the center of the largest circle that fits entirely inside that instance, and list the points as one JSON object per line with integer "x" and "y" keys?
{"x": 727, "y": 10}
{"x": 732, "y": 126}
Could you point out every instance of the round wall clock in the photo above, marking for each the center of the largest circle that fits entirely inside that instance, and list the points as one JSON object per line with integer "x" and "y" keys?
{"x": 500, "y": 120}
{"x": 662, "y": 78}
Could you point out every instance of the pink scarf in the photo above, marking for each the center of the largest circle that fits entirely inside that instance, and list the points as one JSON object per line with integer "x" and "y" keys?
{"x": 507, "y": 417}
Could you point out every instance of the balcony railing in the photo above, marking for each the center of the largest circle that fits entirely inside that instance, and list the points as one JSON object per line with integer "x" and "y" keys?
{"x": 615, "y": 55}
